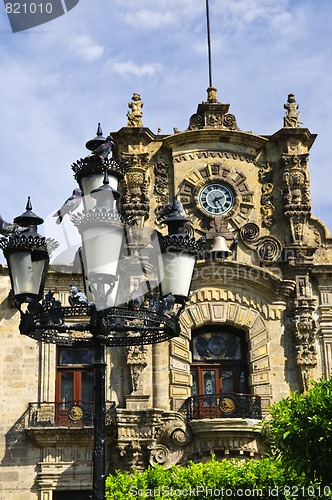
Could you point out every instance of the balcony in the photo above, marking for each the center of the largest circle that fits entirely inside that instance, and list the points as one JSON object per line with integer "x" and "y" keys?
{"x": 223, "y": 405}
{"x": 69, "y": 414}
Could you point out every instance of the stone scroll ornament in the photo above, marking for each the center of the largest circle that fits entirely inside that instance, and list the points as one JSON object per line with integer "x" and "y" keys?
{"x": 268, "y": 248}
{"x": 170, "y": 449}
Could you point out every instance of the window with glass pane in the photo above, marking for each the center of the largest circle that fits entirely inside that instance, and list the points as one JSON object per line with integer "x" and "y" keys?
{"x": 209, "y": 382}
{"x": 74, "y": 376}
{"x": 219, "y": 355}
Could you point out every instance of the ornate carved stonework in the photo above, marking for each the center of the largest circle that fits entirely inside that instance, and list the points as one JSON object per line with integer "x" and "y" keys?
{"x": 136, "y": 201}
{"x": 172, "y": 443}
{"x": 191, "y": 186}
{"x": 265, "y": 175}
{"x": 212, "y": 114}
{"x": 268, "y": 248}
{"x": 150, "y": 436}
{"x": 213, "y": 154}
{"x": 296, "y": 186}
{"x": 304, "y": 329}
{"x": 161, "y": 186}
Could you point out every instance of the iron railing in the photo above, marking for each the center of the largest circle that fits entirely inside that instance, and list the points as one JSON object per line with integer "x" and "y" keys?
{"x": 223, "y": 405}
{"x": 68, "y": 414}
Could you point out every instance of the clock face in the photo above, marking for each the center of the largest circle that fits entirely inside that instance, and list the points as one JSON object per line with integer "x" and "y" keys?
{"x": 216, "y": 199}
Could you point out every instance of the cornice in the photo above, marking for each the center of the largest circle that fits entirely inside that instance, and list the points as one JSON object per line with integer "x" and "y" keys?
{"x": 246, "y": 277}
{"x": 302, "y": 134}
{"x": 254, "y": 143}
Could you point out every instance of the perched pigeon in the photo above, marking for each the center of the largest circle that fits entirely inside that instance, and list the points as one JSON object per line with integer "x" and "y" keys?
{"x": 10, "y": 228}
{"x": 69, "y": 205}
{"x": 168, "y": 304}
{"x": 175, "y": 207}
{"x": 34, "y": 307}
{"x": 104, "y": 149}
{"x": 76, "y": 296}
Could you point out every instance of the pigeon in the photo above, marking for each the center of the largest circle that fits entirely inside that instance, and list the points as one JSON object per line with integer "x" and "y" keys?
{"x": 104, "y": 149}
{"x": 168, "y": 304}
{"x": 10, "y": 228}
{"x": 175, "y": 207}
{"x": 69, "y": 205}
{"x": 76, "y": 296}
{"x": 34, "y": 307}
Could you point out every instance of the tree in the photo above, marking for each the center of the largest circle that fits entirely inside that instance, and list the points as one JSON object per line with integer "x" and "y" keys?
{"x": 300, "y": 431}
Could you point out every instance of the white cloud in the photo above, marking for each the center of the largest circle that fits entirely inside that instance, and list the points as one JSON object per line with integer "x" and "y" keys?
{"x": 149, "y": 18}
{"x": 84, "y": 46}
{"x": 132, "y": 68}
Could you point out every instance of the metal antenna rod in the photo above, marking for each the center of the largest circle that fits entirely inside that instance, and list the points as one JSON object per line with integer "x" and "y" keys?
{"x": 209, "y": 41}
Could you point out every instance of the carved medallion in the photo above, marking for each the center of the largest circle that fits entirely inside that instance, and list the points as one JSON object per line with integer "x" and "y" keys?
{"x": 227, "y": 405}
{"x": 75, "y": 413}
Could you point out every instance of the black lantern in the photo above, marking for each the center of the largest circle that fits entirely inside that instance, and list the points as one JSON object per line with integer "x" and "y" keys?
{"x": 27, "y": 256}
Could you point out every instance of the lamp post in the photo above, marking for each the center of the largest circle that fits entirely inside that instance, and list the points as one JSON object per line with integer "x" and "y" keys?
{"x": 102, "y": 229}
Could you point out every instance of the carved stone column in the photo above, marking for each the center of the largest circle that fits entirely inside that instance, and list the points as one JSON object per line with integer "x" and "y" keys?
{"x": 160, "y": 376}
{"x": 304, "y": 330}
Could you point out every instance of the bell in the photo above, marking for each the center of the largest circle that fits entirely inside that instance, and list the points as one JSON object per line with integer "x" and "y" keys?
{"x": 219, "y": 250}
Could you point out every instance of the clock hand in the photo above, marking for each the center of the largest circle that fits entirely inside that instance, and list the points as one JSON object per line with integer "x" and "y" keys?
{"x": 217, "y": 199}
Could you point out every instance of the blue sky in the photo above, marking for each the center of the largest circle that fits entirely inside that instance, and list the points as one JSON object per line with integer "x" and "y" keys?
{"x": 59, "y": 79}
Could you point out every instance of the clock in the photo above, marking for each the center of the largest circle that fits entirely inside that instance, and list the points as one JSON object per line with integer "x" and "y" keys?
{"x": 216, "y": 199}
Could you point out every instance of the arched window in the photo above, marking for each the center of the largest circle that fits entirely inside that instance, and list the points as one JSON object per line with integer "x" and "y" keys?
{"x": 219, "y": 362}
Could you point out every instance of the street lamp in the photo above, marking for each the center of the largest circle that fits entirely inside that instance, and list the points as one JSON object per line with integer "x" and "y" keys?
{"x": 102, "y": 228}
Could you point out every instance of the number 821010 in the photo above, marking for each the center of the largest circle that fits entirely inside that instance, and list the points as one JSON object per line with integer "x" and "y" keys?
{"x": 28, "y": 8}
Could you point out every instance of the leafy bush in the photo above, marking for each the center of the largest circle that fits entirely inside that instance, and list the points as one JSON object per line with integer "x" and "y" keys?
{"x": 300, "y": 431}
{"x": 266, "y": 479}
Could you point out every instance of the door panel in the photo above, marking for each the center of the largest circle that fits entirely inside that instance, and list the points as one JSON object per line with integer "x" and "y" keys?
{"x": 206, "y": 384}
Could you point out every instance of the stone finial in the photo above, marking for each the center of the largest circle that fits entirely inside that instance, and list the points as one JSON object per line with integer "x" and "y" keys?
{"x": 292, "y": 116}
{"x": 135, "y": 115}
{"x": 212, "y": 94}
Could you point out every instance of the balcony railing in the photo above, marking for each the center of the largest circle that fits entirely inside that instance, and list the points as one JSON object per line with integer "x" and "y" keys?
{"x": 68, "y": 414}
{"x": 223, "y": 405}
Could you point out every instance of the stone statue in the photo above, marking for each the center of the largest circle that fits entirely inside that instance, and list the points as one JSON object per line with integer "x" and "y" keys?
{"x": 137, "y": 361}
{"x": 135, "y": 116}
{"x": 292, "y": 116}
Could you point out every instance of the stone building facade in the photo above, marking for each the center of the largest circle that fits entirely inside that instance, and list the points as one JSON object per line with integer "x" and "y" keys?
{"x": 258, "y": 324}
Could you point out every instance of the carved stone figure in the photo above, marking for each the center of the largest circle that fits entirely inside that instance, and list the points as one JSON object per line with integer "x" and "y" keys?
{"x": 137, "y": 361}
{"x": 212, "y": 94}
{"x": 135, "y": 116}
{"x": 292, "y": 116}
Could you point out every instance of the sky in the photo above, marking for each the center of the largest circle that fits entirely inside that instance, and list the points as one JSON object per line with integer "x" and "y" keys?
{"x": 60, "y": 79}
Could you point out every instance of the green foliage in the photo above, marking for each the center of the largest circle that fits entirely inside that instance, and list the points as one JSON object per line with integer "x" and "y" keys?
{"x": 266, "y": 479}
{"x": 300, "y": 431}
